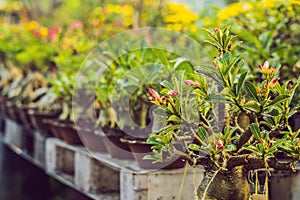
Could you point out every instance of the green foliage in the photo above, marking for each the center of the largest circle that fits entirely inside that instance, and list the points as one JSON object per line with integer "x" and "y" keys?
{"x": 256, "y": 119}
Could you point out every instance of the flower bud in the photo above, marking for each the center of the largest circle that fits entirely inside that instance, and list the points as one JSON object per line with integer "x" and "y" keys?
{"x": 266, "y": 64}
{"x": 220, "y": 144}
{"x": 261, "y": 140}
{"x": 153, "y": 93}
{"x": 243, "y": 100}
{"x": 215, "y": 64}
{"x": 273, "y": 82}
{"x": 188, "y": 82}
{"x": 216, "y": 29}
{"x": 172, "y": 93}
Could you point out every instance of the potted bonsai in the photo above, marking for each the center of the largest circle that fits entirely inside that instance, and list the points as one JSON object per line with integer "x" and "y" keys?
{"x": 227, "y": 121}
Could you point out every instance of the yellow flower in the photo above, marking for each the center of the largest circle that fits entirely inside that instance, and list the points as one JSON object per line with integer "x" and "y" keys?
{"x": 127, "y": 10}
{"x": 109, "y": 8}
{"x": 117, "y": 9}
{"x": 44, "y": 32}
{"x": 177, "y": 27}
{"x": 193, "y": 28}
{"x": 295, "y": 2}
{"x": 127, "y": 21}
{"x": 31, "y": 25}
{"x": 179, "y": 13}
{"x": 269, "y": 3}
{"x": 234, "y": 9}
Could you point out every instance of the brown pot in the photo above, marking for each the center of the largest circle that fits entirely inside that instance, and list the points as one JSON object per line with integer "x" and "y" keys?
{"x": 69, "y": 133}
{"x": 91, "y": 141}
{"x": 116, "y": 148}
{"x": 24, "y": 116}
{"x": 141, "y": 149}
{"x": 53, "y": 128}
{"x": 13, "y": 112}
{"x": 38, "y": 119}
{"x": 3, "y": 109}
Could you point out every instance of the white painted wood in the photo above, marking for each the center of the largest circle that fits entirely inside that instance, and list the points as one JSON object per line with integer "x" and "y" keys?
{"x": 51, "y": 160}
{"x": 39, "y": 148}
{"x": 13, "y": 133}
{"x": 158, "y": 184}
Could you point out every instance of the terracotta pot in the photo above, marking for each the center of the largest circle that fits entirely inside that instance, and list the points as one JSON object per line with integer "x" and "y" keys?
{"x": 141, "y": 149}
{"x": 91, "y": 141}
{"x": 69, "y": 133}
{"x": 116, "y": 148}
{"x": 38, "y": 119}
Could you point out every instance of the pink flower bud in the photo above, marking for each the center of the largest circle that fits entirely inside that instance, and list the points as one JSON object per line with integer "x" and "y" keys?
{"x": 215, "y": 64}
{"x": 266, "y": 64}
{"x": 243, "y": 99}
{"x": 153, "y": 93}
{"x": 220, "y": 144}
{"x": 260, "y": 66}
{"x": 163, "y": 98}
{"x": 261, "y": 140}
{"x": 197, "y": 84}
{"x": 172, "y": 93}
{"x": 273, "y": 82}
{"x": 77, "y": 24}
{"x": 189, "y": 82}
{"x": 216, "y": 29}
{"x": 289, "y": 86}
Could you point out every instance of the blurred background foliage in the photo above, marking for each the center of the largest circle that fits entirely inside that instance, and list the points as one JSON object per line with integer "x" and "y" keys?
{"x": 53, "y": 37}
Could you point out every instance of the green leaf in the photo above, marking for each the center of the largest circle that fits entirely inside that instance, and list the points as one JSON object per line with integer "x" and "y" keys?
{"x": 194, "y": 147}
{"x": 149, "y": 157}
{"x": 162, "y": 56}
{"x": 278, "y": 100}
{"x": 211, "y": 72}
{"x": 253, "y": 150}
{"x": 230, "y": 147}
{"x": 255, "y": 131}
{"x": 167, "y": 84}
{"x": 241, "y": 82}
{"x": 251, "y": 90}
{"x": 174, "y": 118}
{"x": 252, "y": 105}
{"x": 202, "y": 134}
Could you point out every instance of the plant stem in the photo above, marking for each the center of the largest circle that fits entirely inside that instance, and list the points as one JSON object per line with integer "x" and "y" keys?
{"x": 183, "y": 180}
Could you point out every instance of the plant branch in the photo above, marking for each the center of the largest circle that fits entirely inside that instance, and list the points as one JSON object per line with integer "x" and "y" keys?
{"x": 251, "y": 162}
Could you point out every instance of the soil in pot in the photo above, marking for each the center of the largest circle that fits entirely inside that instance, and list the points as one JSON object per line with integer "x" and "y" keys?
{"x": 141, "y": 148}
{"x": 91, "y": 141}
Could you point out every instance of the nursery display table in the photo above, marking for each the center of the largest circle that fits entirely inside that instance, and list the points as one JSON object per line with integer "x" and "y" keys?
{"x": 98, "y": 175}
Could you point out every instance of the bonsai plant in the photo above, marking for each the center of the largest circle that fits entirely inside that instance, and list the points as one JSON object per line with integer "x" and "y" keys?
{"x": 226, "y": 121}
